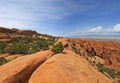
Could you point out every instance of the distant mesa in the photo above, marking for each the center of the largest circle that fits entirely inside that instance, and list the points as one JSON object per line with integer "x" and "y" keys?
{"x": 17, "y": 31}
{"x": 6, "y": 34}
{"x": 5, "y": 30}
{"x": 26, "y": 32}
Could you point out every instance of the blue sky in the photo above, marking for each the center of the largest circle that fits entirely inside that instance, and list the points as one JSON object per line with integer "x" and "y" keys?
{"x": 62, "y": 17}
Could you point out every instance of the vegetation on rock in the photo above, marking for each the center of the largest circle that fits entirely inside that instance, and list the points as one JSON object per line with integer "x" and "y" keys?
{"x": 75, "y": 49}
{"x": 17, "y": 48}
{"x": 2, "y": 46}
{"x": 27, "y": 44}
{"x": 110, "y": 72}
{"x": 58, "y": 48}
{"x": 2, "y": 61}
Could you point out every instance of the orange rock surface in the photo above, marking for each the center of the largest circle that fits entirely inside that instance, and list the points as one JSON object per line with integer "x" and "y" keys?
{"x": 67, "y": 68}
{"x": 20, "y": 69}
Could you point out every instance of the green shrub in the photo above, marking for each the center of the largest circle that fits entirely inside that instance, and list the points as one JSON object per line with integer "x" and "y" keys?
{"x": 118, "y": 59}
{"x": 51, "y": 41}
{"x": 118, "y": 75}
{"x": 17, "y": 48}
{"x": 58, "y": 48}
{"x": 33, "y": 48}
{"x": 111, "y": 72}
{"x": 27, "y": 45}
{"x": 16, "y": 39}
{"x": 75, "y": 49}
{"x": 100, "y": 67}
{"x": 42, "y": 43}
{"x": 26, "y": 40}
{"x": 3, "y": 61}
{"x": 2, "y": 46}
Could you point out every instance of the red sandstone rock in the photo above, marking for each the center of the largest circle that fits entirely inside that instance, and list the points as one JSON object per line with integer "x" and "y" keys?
{"x": 103, "y": 49}
{"x": 4, "y": 36}
{"x": 19, "y": 70}
{"x": 67, "y": 68}
{"x": 26, "y": 32}
{"x": 5, "y": 30}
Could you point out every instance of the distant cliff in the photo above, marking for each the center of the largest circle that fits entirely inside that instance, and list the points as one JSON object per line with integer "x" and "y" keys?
{"x": 6, "y": 34}
{"x": 16, "y": 31}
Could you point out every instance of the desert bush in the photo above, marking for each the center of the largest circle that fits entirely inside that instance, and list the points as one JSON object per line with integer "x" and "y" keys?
{"x": 118, "y": 74}
{"x": 33, "y": 48}
{"x": 16, "y": 39}
{"x": 111, "y": 72}
{"x": 3, "y": 61}
{"x": 100, "y": 67}
{"x": 2, "y": 46}
{"x": 28, "y": 45}
{"x": 42, "y": 44}
{"x": 75, "y": 49}
{"x": 17, "y": 48}
{"x": 27, "y": 39}
{"x": 51, "y": 41}
{"x": 58, "y": 48}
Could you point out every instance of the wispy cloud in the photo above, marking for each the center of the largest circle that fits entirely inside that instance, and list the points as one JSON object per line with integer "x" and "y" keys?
{"x": 52, "y": 16}
{"x": 21, "y": 13}
{"x": 96, "y": 31}
{"x": 116, "y": 28}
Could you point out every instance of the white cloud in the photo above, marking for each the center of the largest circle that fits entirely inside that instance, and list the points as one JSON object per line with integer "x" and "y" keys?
{"x": 95, "y": 31}
{"x": 117, "y": 28}
{"x": 98, "y": 29}
{"x": 31, "y": 12}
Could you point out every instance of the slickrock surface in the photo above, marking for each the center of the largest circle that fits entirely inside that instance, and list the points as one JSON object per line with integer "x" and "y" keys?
{"x": 67, "y": 68}
{"x": 20, "y": 69}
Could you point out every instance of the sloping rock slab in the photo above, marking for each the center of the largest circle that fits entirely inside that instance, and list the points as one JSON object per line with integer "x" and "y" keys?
{"x": 20, "y": 69}
{"x": 67, "y": 68}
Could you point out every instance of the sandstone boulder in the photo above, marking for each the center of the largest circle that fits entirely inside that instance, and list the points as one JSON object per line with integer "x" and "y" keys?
{"x": 20, "y": 69}
{"x": 67, "y": 68}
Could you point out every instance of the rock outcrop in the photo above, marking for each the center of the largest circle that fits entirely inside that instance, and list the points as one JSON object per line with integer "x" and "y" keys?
{"x": 5, "y": 30}
{"x": 26, "y": 32}
{"x": 107, "y": 50}
{"x": 19, "y": 70}
{"x": 4, "y": 37}
{"x": 67, "y": 68}
{"x": 17, "y": 31}
{"x": 6, "y": 34}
